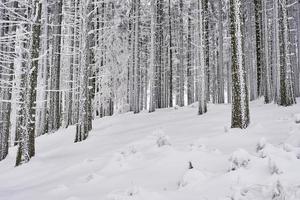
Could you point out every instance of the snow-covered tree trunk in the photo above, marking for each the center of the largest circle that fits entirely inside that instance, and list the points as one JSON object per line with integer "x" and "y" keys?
{"x": 153, "y": 73}
{"x": 170, "y": 62}
{"x": 41, "y": 125}
{"x": 259, "y": 52}
{"x": 84, "y": 121}
{"x": 5, "y": 77}
{"x": 266, "y": 71}
{"x": 136, "y": 56}
{"x": 287, "y": 96}
{"x": 200, "y": 60}
{"x": 54, "y": 97}
{"x": 240, "y": 101}
{"x": 190, "y": 67}
{"x": 220, "y": 70}
{"x": 206, "y": 41}
{"x": 180, "y": 70}
{"x": 28, "y": 36}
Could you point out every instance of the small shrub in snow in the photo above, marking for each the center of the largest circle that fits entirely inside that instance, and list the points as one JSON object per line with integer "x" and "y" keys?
{"x": 191, "y": 165}
{"x": 261, "y": 144}
{"x": 226, "y": 129}
{"x": 298, "y": 154}
{"x": 238, "y": 159}
{"x": 176, "y": 107}
{"x": 161, "y": 138}
{"x": 287, "y": 147}
{"x": 297, "y": 118}
{"x": 273, "y": 167}
{"x": 129, "y": 151}
{"x": 278, "y": 192}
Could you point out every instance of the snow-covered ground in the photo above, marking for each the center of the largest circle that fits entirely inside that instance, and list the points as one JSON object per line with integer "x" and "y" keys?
{"x": 171, "y": 154}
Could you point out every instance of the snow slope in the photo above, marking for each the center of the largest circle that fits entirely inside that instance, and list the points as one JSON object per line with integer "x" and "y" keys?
{"x": 171, "y": 154}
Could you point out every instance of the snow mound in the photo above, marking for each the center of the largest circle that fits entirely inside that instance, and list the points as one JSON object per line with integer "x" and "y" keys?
{"x": 199, "y": 146}
{"x": 124, "y": 159}
{"x": 161, "y": 138}
{"x": 294, "y": 138}
{"x": 59, "y": 189}
{"x": 297, "y": 118}
{"x": 273, "y": 191}
{"x": 239, "y": 159}
{"x": 134, "y": 193}
{"x": 191, "y": 177}
{"x": 266, "y": 150}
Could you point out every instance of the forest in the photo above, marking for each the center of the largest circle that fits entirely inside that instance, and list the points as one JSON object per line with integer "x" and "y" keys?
{"x": 68, "y": 62}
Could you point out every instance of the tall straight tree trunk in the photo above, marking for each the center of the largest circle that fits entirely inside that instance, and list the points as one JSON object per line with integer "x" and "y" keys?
{"x": 36, "y": 33}
{"x": 240, "y": 101}
{"x": 6, "y": 76}
{"x": 202, "y": 108}
{"x": 42, "y": 74}
{"x": 267, "y": 80}
{"x": 298, "y": 47}
{"x": 180, "y": 98}
{"x": 287, "y": 96}
{"x": 276, "y": 53}
{"x": 190, "y": 77}
{"x": 83, "y": 126}
{"x": 220, "y": 70}
{"x": 26, "y": 148}
{"x": 170, "y": 57}
{"x": 153, "y": 73}
{"x": 258, "y": 33}
{"x": 54, "y": 109}
{"x": 136, "y": 57}
{"x": 206, "y": 37}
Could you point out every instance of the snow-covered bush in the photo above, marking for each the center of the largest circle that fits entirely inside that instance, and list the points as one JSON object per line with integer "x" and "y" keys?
{"x": 287, "y": 147}
{"x": 161, "y": 138}
{"x": 176, "y": 107}
{"x": 290, "y": 148}
{"x": 130, "y": 150}
{"x": 278, "y": 192}
{"x": 297, "y": 118}
{"x": 226, "y": 129}
{"x": 274, "y": 167}
{"x": 238, "y": 159}
{"x": 124, "y": 159}
{"x": 261, "y": 144}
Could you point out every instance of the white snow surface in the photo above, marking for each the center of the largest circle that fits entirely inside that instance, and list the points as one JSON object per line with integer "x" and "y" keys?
{"x": 166, "y": 155}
